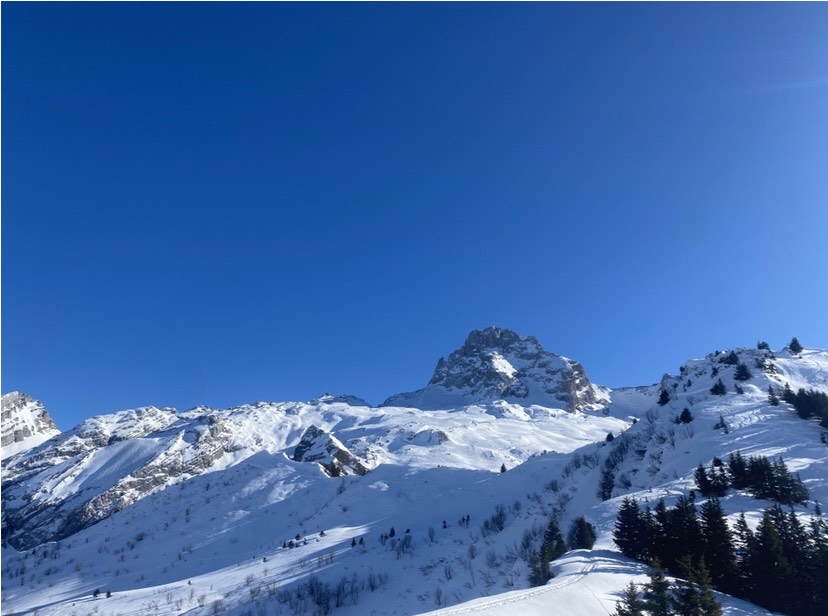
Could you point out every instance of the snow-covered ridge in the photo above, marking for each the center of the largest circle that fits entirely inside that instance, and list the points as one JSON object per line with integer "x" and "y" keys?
{"x": 53, "y": 491}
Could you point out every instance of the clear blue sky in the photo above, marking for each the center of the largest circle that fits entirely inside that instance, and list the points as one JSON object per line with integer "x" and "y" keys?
{"x": 225, "y": 203}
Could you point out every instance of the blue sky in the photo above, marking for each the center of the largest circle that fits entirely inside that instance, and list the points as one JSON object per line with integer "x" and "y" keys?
{"x": 224, "y": 203}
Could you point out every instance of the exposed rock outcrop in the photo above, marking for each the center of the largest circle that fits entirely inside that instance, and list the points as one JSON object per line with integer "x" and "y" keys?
{"x": 498, "y": 364}
{"x": 318, "y": 446}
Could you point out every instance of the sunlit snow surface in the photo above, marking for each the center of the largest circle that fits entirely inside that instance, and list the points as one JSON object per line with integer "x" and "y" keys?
{"x": 219, "y": 536}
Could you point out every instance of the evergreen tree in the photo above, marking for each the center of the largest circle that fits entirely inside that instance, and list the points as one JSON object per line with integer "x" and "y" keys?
{"x": 694, "y": 595}
{"x": 657, "y": 592}
{"x": 718, "y": 389}
{"x": 686, "y": 416}
{"x": 703, "y": 482}
{"x": 772, "y": 398}
{"x": 742, "y": 373}
{"x": 745, "y": 554}
{"x": 539, "y": 573}
{"x": 763, "y": 346}
{"x": 794, "y": 346}
{"x": 719, "y": 481}
{"x": 664, "y": 397}
{"x": 811, "y": 403}
{"x": 787, "y": 394}
{"x": 731, "y": 359}
{"x": 661, "y": 548}
{"x": 630, "y": 532}
{"x": 772, "y": 576}
{"x": 817, "y": 570}
{"x": 553, "y": 547}
{"x": 719, "y": 550}
{"x": 737, "y": 468}
{"x": 630, "y": 604}
{"x": 581, "y": 534}
{"x": 684, "y": 534}
{"x": 553, "y": 542}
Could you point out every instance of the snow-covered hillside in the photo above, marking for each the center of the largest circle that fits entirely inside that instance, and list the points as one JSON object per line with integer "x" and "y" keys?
{"x": 335, "y": 506}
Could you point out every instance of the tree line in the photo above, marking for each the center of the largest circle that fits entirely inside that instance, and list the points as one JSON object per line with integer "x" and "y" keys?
{"x": 761, "y": 477}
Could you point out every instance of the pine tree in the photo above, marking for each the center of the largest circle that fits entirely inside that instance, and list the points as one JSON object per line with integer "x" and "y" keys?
{"x": 703, "y": 482}
{"x": 772, "y": 576}
{"x": 731, "y": 359}
{"x": 772, "y": 398}
{"x": 664, "y": 397}
{"x": 684, "y": 534}
{"x": 719, "y": 481}
{"x": 630, "y": 604}
{"x": 794, "y": 346}
{"x": 817, "y": 565}
{"x": 553, "y": 547}
{"x": 539, "y": 573}
{"x": 737, "y": 467}
{"x": 787, "y": 394}
{"x": 719, "y": 550}
{"x": 630, "y": 533}
{"x": 718, "y": 388}
{"x": 661, "y": 548}
{"x": 581, "y": 534}
{"x": 657, "y": 592}
{"x": 694, "y": 595}
{"x": 710, "y": 606}
{"x": 745, "y": 554}
{"x": 742, "y": 373}
{"x": 553, "y": 542}
{"x": 686, "y": 599}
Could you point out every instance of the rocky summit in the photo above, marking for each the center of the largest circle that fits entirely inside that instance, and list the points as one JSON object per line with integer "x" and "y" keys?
{"x": 25, "y": 423}
{"x": 499, "y": 364}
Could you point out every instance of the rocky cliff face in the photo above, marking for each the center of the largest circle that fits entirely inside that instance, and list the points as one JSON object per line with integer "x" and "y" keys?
{"x": 326, "y": 450}
{"x": 498, "y": 364}
{"x": 25, "y": 423}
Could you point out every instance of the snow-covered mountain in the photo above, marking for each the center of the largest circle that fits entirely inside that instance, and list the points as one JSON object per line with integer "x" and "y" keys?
{"x": 25, "y": 423}
{"x": 332, "y": 505}
{"x": 497, "y": 363}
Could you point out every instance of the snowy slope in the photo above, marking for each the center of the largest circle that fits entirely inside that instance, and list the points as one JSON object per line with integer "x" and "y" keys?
{"x": 220, "y": 515}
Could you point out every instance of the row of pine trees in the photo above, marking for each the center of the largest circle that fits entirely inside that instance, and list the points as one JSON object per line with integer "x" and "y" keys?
{"x": 782, "y": 565}
{"x": 757, "y": 475}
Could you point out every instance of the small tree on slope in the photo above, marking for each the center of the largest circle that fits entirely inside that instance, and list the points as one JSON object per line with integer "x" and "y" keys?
{"x": 630, "y": 604}
{"x": 657, "y": 592}
{"x": 794, "y": 346}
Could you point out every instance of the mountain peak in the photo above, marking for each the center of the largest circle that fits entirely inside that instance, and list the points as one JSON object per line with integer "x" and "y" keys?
{"x": 497, "y": 338}
{"x": 498, "y": 364}
{"x": 26, "y": 423}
